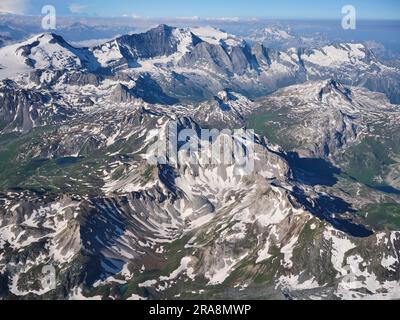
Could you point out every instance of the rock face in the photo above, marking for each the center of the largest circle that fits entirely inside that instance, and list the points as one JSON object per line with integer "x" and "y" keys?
{"x": 145, "y": 89}
{"x": 237, "y": 60}
{"x": 23, "y": 109}
{"x": 162, "y": 41}
{"x": 122, "y": 94}
{"x": 226, "y": 109}
{"x": 158, "y": 42}
{"x": 305, "y": 209}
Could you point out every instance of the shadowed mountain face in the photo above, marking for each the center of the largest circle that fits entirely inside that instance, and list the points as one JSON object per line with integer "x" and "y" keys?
{"x": 145, "y": 88}
{"x": 313, "y": 171}
{"x": 80, "y": 190}
{"x": 158, "y": 42}
{"x": 23, "y": 109}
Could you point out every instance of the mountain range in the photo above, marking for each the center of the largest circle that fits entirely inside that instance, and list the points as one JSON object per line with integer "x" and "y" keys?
{"x": 186, "y": 66}
{"x": 318, "y": 218}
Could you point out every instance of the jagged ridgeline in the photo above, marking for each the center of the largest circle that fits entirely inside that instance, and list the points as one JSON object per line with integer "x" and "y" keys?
{"x": 317, "y": 218}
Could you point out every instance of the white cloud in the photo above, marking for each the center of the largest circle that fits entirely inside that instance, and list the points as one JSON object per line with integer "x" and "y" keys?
{"x": 194, "y": 18}
{"x": 13, "y": 6}
{"x": 227, "y": 19}
{"x": 77, "y": 8}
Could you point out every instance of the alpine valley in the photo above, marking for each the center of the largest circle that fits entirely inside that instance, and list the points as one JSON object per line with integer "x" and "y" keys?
{"x": 319, "y": 217}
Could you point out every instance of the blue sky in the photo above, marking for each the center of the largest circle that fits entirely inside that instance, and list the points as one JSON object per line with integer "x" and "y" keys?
{"x": 315, "y": 9}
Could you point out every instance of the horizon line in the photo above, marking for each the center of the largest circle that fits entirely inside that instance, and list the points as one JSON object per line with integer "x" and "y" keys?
{"x": 195, "y": 18}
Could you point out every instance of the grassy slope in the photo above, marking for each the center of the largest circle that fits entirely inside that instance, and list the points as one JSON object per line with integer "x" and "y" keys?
{"x": 65, "y": 175}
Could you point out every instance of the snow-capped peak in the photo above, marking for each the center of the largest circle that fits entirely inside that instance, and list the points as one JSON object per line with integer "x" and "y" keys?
{"x": 278, "y": 33}
{"x": 333, "y": 87}
{"x": 341, "y": 53}
{"x": 272, "y": 34}
{"x": 49, "y": 37}
{"x": 216, "y": 36}
{"x": 43, "y": 51}
{"x": 160, "y": 42}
